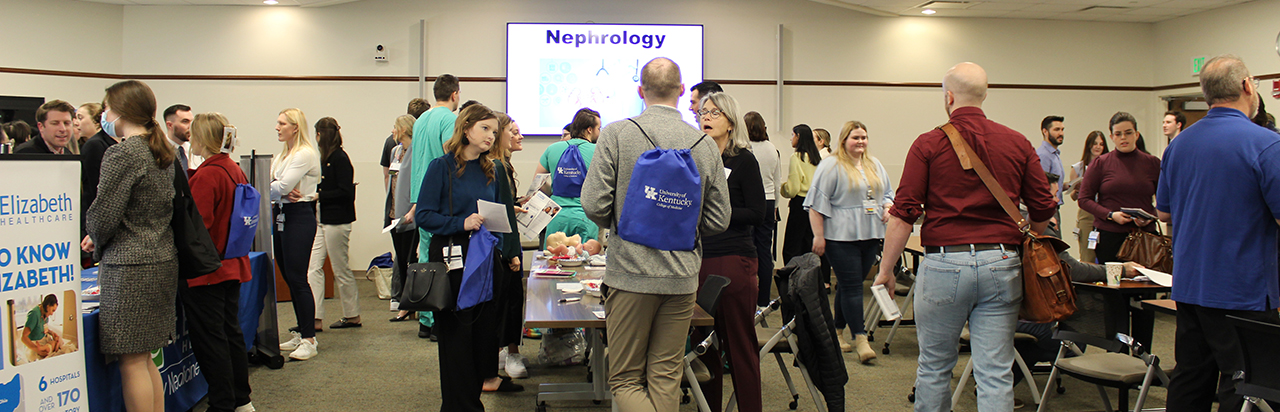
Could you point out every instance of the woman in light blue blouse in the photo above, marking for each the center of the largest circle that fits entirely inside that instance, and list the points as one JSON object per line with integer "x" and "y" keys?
{"x": 848, "y": 205}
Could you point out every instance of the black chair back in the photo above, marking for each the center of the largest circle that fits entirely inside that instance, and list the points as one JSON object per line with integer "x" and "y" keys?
{"x": 1261, "y": 359}
{"x": 709, "y": 294}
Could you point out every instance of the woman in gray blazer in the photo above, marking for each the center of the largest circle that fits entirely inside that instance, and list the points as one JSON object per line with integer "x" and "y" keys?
{"x": 129, "y": 232}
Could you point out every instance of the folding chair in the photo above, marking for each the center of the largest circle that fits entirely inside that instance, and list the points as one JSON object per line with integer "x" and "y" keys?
{"x": 778, "y": 341}
{"x": 709, "y": 301}
{"x": 1115, "y": 368}
{"x": 1260, "y": 379}
{"x": 1017, "y": 360}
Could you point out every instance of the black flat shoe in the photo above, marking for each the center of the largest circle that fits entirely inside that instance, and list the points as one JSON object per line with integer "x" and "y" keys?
{"x": 406, "y": 316}
{"x": 344, "y": 324}
{"x": 425, "y": 332}
{"x": 506, "y": 385}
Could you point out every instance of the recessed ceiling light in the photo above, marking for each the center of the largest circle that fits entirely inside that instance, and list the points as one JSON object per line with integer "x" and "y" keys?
{"x": 271, "y": 2}
{"x": 925, "y": 11}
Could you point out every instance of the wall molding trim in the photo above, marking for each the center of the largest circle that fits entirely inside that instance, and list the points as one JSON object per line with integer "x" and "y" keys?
{"x": 1018, "y": 86}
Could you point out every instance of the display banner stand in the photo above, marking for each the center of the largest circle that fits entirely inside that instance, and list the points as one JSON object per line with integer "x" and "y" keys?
{"x": 263, "y": 344}
{"x": 43, "y": 366}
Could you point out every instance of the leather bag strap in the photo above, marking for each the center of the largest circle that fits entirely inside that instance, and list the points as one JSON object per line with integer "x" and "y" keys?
{"x": 970, "y": 161}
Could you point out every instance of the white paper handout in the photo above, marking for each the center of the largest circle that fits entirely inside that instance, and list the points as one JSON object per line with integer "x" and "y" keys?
{"x": 394, "y": 223}
{"x": 495, "y": 216}
{"x": 1160, "y": 278}
{"x": 540, "y": 210}
{"x": 539, "y": 180}
{"x": 887, "y": 306}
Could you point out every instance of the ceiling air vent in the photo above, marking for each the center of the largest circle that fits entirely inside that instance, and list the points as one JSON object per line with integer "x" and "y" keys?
{"x": 1103, "y": 8}
{"x": 945, "y": 4}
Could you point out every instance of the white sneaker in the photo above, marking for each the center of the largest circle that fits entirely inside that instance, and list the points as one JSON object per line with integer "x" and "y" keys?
{"x": 248, "y": 407}
{"x": 395, "y": 305}
{"x": 292, "y": 343}
{"x": 306, "y": 350}
{"x": 515, "y": 366}
{"x": 502, "y": 359}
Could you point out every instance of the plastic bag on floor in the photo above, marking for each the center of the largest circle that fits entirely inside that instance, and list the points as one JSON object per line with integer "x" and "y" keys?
{"x": 563, "y": 347}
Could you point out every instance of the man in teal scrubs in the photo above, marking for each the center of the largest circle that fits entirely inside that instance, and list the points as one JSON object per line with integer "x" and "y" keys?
{"x": 430, "y": 132}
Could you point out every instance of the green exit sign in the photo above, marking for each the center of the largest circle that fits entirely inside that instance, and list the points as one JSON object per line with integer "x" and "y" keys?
{"x": 1197, "y": 63}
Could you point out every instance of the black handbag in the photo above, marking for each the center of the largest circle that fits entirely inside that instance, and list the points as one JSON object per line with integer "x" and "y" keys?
{"x": 427, "y": 287}
{"x": 197, "y": 256}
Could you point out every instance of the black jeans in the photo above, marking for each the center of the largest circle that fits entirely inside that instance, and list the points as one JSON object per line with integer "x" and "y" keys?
{"x": 1108, "y": 245}
{"x": 1208, "y": 353}
{"x": 763, "y": 236}
{"x": 468, "y": 347}
{"x": 213, "y": 319}
{"x": 406, "y": 248}
{"x": 293, "y": 255}
{"x": 851, "y": 261}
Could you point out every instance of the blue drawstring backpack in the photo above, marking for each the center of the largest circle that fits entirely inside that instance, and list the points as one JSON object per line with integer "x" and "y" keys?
{"x": 571, "y": 171}
{"x": 477, "y": 272}
{"x": 664, "y": 199}
{"x": 244, "y": 219}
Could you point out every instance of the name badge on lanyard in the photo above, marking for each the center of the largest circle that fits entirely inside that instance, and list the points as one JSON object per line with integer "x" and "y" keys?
{"x": 870, "y": 203}
{"x": 453, "y": 256}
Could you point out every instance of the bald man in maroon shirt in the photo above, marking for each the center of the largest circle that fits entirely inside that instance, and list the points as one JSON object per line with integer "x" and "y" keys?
{"x": 972, "y": 269}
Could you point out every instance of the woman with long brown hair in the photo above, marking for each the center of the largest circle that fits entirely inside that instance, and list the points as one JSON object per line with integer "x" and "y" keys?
{"x": 336, "y": 195}
{"x": 1094, "y": 146}
{"x": 447, "y": 209}
{"x": 510, "y": 293}
{"x": 129, "y": 233}
{"x": 1124, "y": 178}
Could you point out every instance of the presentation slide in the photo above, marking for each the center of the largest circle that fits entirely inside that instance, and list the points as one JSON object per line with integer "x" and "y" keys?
{"x": 555, "y": 69}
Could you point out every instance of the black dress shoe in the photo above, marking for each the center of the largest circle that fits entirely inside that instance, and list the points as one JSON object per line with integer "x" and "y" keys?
{"x": 506, "y": 385}
{"x": 424, "y": 332}
{"x": 343, "y": 323}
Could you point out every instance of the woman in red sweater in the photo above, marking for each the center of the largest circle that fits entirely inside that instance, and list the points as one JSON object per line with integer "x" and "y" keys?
{"x": 1123, "y": 178}
{"x": 212, "y": 301}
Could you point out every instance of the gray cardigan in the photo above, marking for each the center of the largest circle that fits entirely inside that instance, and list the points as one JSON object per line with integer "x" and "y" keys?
{"x": 634, "y": 267}
{"x": 129, "y": 220}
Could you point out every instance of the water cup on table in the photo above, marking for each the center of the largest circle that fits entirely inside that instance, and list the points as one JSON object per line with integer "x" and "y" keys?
{"x": 1114, "y": 271}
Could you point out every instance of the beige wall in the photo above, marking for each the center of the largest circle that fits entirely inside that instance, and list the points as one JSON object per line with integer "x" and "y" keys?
{"x": 468, "y": 39}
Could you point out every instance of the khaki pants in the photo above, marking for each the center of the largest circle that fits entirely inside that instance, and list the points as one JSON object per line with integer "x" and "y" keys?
{"x": 647, "y": 335}
{"x": 332, "y": 241}
{"x": 1084, "y": 222}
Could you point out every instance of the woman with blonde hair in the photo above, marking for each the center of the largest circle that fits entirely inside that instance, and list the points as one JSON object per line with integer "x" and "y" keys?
{"x": 86, "y": 122}
{"x": 404, "y": 238}
{"x": 822, "y": 139}
{"x": 848, "y": 206}
{"x": 295, "y": 173}
{"x": 447, "y": 209}
{"x": 129, "y": 233}
{"x": 732, "y": 254}
{"x": 212, "y": 302}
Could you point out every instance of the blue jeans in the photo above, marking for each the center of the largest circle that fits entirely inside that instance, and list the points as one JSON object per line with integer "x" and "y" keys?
{"x": 985, "y": 289}
{"x": 851, "y": 261}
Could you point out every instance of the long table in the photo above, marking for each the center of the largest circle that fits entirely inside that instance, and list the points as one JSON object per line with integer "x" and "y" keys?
{"x": 543, "y": 309}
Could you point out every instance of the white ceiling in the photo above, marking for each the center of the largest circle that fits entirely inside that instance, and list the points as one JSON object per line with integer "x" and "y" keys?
{"x": 303, "y": 3}
{"x": 1145, "y": 11}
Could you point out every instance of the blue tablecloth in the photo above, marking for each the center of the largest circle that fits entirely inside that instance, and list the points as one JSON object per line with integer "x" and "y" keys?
{"x": 183, "y": 384}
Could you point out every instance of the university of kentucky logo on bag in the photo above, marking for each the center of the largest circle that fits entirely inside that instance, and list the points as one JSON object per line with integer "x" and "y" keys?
{"x": 244, "y": 220}
{"x": 571, "y": 171}
{"x": 664, "y": 199}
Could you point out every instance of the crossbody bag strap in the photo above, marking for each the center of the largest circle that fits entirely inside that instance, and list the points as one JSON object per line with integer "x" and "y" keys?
{"x": 969, "y": 160}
